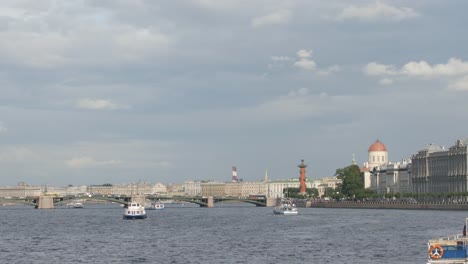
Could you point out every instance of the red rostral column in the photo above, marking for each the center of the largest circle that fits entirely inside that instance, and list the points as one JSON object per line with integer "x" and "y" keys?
{"x": 302, "y": 178}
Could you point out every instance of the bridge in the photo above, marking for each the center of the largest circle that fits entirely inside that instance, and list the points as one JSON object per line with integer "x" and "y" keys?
{"x": 50, "y": 201}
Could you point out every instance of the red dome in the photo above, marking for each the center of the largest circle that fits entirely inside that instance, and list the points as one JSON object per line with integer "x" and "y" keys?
{"x": 377, "y": 146}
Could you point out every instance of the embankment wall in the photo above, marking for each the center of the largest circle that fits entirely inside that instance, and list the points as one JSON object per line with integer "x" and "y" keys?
{"x": 376, "y": 205}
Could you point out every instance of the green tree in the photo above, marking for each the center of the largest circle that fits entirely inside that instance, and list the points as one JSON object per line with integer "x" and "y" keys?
{"x": 329, "y": 191}
{"x": 352, "y": 185}
{"x": 292, "y": 192}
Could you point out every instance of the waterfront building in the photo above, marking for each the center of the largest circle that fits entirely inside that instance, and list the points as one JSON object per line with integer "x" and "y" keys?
{"x": 275, "y": 187}
{"x": 213, "y": 188}
{"x": 328, "y": 182}
{"x": 378, "y": 156}
{"x": 438, "y": 170}
{"x": 234, "y": 189}
{"x": 21, "y": 190}
{"x": 192, "y": 188}
{"x": 392, "y": 178}
{"x": 159, "y": 188}
{"x": 383, "y": 176}
{"x": 175, "y": 189}
{"x": 248, "y": 188}
{"x": 105, "y": 189}
{"x": 76, "y": 190}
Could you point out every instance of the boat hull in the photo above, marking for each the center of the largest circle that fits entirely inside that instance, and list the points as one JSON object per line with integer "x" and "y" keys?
{"x": 133, "y": 217}
{"x": 279, "y": 212}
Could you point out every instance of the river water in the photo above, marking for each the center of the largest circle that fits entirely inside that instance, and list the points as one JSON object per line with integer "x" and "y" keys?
{"x": 228, "y": 233}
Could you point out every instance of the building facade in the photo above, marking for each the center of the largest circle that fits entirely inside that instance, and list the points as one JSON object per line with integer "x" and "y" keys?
{"x": 438, "y": 170}
{"x": 392, "y": 178}
{"x": 383, "y": 176}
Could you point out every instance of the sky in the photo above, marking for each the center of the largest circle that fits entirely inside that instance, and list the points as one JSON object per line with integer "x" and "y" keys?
{"x": 121, "y": 91}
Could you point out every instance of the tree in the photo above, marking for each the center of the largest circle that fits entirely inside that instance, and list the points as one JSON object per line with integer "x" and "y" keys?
{"x": 292, "y": 192}
{"x": 352, "y": 185}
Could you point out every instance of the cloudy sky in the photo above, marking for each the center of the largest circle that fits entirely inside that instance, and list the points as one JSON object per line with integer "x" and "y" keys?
{"x": 118, "y": 91}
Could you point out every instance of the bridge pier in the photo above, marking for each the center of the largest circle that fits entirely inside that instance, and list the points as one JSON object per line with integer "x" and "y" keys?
{"x": 210, "y": 202}
{"x": 45, "y": 202}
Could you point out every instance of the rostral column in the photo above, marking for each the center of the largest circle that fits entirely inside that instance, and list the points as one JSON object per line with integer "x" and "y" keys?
{"x": 302, "y": 178}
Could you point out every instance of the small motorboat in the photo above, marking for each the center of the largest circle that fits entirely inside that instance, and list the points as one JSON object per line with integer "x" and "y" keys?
{"x": 134, "y": 211}
{"x": 75, "y": 205}
{"x": 286, "y": 208}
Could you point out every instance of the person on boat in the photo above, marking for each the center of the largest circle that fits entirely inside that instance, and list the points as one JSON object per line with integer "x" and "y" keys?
{"x": 464, "y": 230}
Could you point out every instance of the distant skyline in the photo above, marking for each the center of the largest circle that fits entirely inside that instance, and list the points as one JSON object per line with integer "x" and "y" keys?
{"x": 97, "y": 92}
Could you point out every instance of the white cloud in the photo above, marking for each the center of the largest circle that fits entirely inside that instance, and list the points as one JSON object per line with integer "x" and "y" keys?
{"x": 377, "y": 11}
{"x": 278, "y": 17}
{"x": 422, "y": 69}
{"x": 304, "y": 53}
{"x": 306, "y": 64}
{"x": 453, "y": 67}
{"x": 329, "y": 70}
{"x": 86, "y": 162}
{"x": 379, "y": 69}
{"x": 75, "y": 34}
{"x": 386, "y": 81}
{"x": 460, "y": 84}
{"x": 281, "y": 58}
{"x": 98, "y": 104}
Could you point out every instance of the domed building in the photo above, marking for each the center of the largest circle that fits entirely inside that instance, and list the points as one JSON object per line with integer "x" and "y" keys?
{"x": 383, "y": 176}
{"x": 378, "y": 156}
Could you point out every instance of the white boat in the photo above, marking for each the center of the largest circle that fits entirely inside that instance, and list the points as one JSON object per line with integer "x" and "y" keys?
{"x": 449, "y": 249}
{"x": 134, "y": 210}
{"x": 75, "y": 205}
{"x": 156, "y": 206}
{"x": 286, "y": 208}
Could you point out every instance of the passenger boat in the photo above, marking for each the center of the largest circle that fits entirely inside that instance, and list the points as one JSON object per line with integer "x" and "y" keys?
{"x": 134, "y": 211}
{"x": 449, "y": 250}
{"x": 75, "y": 205}
{"x": 156, "y": 206}
{"x": 286, "y": 208}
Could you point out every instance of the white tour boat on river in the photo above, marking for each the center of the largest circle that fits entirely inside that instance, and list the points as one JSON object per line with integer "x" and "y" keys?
{"x": 134, "y": 211}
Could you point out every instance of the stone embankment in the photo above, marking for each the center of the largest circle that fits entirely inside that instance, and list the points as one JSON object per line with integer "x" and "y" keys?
{"x": 383, "y": 205}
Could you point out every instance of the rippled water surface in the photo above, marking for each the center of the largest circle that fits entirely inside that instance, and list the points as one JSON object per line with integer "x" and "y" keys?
{"x": 229, "y": 233}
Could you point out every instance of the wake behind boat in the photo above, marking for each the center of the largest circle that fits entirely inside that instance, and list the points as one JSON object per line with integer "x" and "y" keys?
{"x": 286, "y": 208}
{"x": 449, "y": 250}
{"x": 134, "y": 211}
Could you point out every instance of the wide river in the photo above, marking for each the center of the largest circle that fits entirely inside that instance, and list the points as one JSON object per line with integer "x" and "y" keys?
{"x": 228, "y": 233}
